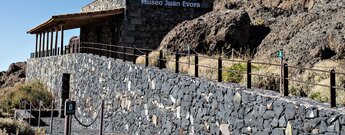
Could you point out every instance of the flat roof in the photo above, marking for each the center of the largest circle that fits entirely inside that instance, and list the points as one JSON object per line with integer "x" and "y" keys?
{"x": 75, "y": 20}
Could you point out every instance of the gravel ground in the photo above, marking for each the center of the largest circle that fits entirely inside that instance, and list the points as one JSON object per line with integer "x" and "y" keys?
{"x": 58, "y": 128}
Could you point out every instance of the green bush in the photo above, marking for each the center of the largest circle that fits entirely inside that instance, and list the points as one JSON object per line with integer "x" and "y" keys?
{"x": 235, "y": 76}
{"x": 33, "y": 92}
{"x": 318, "y": 96}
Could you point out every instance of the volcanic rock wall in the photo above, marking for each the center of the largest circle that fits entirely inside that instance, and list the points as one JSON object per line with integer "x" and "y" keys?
{"x": 141, "y": 100}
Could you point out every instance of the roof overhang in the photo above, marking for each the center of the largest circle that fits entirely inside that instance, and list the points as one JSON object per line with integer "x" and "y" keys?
{"x": 76, "y": 20}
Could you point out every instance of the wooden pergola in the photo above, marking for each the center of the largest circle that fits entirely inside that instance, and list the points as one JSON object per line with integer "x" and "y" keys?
{"x": 45, "y": 31}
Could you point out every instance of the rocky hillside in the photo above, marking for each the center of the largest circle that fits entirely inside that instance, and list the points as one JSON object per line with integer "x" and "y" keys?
{"x": 308, "y": 30}
{"x": 14, "y": 74}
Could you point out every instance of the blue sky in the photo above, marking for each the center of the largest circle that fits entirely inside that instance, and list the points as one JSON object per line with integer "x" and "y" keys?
{"x": 16, "y": 17}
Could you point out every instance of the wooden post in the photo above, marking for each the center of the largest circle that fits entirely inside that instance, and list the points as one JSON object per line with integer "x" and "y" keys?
{"x": 333, "y": 89}
{"x": 134, "y": 53}
{"x": 160, "y": 60}
{"x": 39, "y": 114}
{"x": 124, "y": 54}
{"x": 115, "y": 52}
{"x": 220, "y": 69}
{"x": 249, "y": 74}
{"x": 196, "y": 66}
{"x": 177, "y": 57}
{"x": 40, "y": 46}
{"x": 43, "y": 44}
{"x": 30, "y": 114}
{"x": 62, "y": 34}
{"x": 56, "y": 41}
{"x": 146, "y": 58}
{"x": 67, "y": 123}
{"x": 47, "y": 47}
{"x": 101, "y": 121}
{"x": 51, "y": 42}
{"x": 51, "y": 117}
{"x": 286, "y": 80}
{"x": 36, "y": 46}
{"x": 281, "y": 74}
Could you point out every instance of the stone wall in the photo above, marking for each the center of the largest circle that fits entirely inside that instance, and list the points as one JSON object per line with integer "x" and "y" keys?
{"x": 141, "y": 100}
{"x": 99, "y": 5}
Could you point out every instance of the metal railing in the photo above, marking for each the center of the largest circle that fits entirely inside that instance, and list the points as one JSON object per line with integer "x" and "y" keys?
{"x": 131, "y": 53}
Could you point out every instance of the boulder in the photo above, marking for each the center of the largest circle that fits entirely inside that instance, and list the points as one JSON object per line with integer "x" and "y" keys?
{"x": 212, "y": 33}
{"x": 16, "y": 73}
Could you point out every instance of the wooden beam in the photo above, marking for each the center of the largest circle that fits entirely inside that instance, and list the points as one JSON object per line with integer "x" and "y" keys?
{"x": 62, "y": 34}
{"x": 43, "y": 44}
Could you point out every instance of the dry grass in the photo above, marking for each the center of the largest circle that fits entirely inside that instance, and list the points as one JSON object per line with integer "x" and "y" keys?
{"x": 207, "y": 66}
{"x": 210, "y": 72}
{"x": 320, "y": 93}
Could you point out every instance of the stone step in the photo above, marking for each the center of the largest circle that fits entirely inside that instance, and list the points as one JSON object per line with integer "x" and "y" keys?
{"x": 25, "y": 115}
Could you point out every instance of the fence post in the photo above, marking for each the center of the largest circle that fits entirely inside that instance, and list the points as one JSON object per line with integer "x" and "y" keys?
{"x": 115, "y": 48}
{"x": 108, "y": 51}
{"x": 24, "y": 107}
{"x": 196, "y": 66}
{"x": 249, "y": 74}
{"x": 286, "y": 80}
{"x": 93, "y": 49}
{"x": 39, "y": 114}
{"x": 177, "y": 62}
{"x": 124, "y": 54}
{"x": 160, "y": 61}
{"x": 100, "y": 52}
{"x": 146, "y": 58}
{"x": 51, "y": 117}
{"x": 220, "y": 66}
{"x": 101, "y": 123}
{"x": 30, "y": 114}
{"x": 134, "y": 53}
{"x": 333, "y": 89}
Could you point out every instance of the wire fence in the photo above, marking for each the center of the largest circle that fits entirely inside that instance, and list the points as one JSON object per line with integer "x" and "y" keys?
{"x": 219, "y": 67}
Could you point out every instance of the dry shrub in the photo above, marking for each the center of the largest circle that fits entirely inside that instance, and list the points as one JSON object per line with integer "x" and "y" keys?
{"x": 11, "y": 126}
{"x": 140, "y": 60}
{"x": 31, "y": 92}
{"x": 153, "y": 59}
{"x": 320, "y": 93}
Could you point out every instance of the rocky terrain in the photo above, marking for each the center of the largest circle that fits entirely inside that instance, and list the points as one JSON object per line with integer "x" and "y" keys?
{"x": 14, "y": 74}
{"x": 309, "y": 31}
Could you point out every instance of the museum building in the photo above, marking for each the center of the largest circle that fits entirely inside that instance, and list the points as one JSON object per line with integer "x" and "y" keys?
{"x": 130, "y": 23}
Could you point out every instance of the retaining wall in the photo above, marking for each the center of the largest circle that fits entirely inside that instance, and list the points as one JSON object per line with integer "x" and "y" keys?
{"x": 141, "y": 100}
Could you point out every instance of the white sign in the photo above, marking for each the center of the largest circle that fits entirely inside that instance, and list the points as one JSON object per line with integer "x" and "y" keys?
{"x": 174, "y": 3}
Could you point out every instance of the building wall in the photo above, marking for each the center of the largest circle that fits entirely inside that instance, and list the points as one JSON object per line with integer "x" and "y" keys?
{"x": 106, "y": 31}
{"x": 141, "y": 100}
{"x": 146, "y": 25}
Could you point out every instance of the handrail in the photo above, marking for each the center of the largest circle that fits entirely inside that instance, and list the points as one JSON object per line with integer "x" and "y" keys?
{"x": 128, "y": 53}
